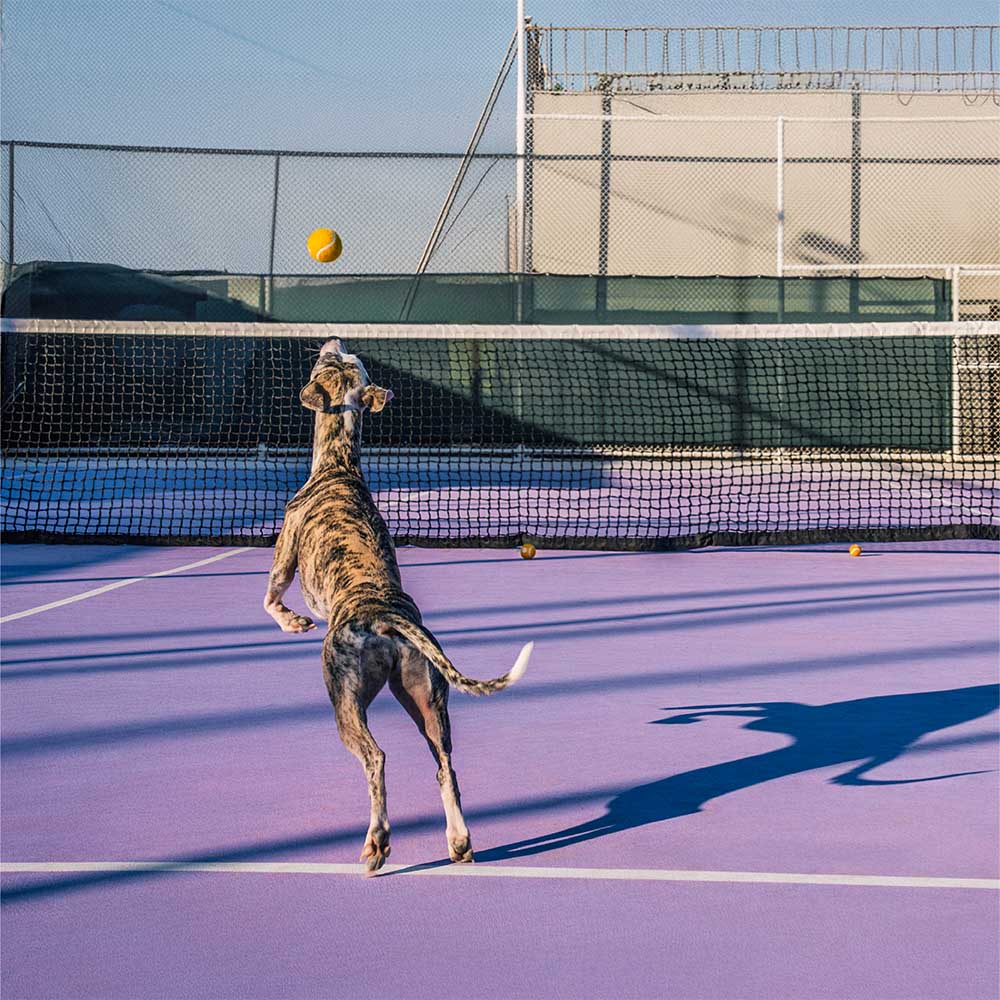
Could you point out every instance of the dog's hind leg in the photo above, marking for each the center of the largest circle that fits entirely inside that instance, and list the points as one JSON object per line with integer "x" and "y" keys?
{"x": 356, "y": 669}
{"x": 423, "y": 692}
{"x": 280, "y": 579}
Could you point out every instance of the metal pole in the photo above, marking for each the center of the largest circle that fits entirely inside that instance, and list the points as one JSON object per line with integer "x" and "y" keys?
{"x": 10, "y": 204}
{"x": 520, "y": 124}
{"x": 854, "y": 293}
{"x": 604, "y": 218}
{"x": 519, "y": 143}
{"x": 456, "y": 184}
{"x": 955, "y": 306}
{"x": 463, "y": 168}
{"x": 956, "y": 389}
{"x": 269, "y": 296}
{"x": 780, "y": 262}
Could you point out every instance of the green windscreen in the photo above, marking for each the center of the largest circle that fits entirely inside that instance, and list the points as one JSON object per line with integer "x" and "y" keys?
{"x": 98, "y": 291}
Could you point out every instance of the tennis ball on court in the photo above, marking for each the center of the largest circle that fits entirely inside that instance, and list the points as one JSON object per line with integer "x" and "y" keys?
{"x": 528, "y": 551}
{"x": 855, "y": 550}
{"x": 324, "y": 245}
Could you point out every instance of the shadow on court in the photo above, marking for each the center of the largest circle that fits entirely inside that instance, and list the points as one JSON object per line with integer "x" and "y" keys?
{"x": 866, "y": 733}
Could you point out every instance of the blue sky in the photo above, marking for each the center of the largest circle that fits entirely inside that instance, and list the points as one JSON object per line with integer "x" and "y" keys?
{"x": 319, "y": 74}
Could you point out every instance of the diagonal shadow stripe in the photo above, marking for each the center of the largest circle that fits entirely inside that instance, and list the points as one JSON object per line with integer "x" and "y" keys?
{"x": 492, "y": 635}
{"x": 435, "y": 614}
{"x": 318, "y": 711}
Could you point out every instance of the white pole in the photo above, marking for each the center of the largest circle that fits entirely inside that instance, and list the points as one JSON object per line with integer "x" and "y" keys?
{"x": 520, "y": 137}
{"x": 780, "y": 236}
{"x": 955, "y": 305}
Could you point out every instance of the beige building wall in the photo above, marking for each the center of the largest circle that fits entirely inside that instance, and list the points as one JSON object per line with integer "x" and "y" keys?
{"x": 702, "y": 215}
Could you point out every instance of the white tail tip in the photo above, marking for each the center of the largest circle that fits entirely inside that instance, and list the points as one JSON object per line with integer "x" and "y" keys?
{"x": 521, "y": 663}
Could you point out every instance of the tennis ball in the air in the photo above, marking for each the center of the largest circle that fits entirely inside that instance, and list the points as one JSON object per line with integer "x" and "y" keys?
{"x": 324, "y": 245}
{"x": 855, "y": 550}
{"x": 528, "y": 551}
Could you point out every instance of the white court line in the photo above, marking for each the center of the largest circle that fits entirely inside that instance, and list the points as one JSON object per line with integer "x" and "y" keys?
{"x": 497, "y": 871}
{"x": 117, "y": 584}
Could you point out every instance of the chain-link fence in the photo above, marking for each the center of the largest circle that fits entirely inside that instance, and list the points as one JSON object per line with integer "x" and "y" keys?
{"x": 247, "y": 211}
{"x": 760, "y": 195}
{"x": 654, "y": 158}
{"x": 681, "y": 194}
{"x": 609, "y": 194}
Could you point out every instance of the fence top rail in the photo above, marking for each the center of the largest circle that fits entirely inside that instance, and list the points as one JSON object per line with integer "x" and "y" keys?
{"x": 766, "y": 27}
{"x": 224, "y": 151}
{"x": 923, "y": 58}
{"x": 654, "y": 118}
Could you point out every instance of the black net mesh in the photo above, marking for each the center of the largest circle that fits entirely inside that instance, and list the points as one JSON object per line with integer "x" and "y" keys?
{"x": 613, "y": 437}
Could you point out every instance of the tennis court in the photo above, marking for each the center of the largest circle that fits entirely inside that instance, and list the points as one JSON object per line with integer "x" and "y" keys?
{"x": 681, "y": 363}
{"x": 825, "y": 829}
{"x": 747, "y": 769}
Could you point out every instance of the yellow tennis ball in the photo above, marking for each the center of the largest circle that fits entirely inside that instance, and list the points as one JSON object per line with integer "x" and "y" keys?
{"x": 855, "y": 550}
{"x": 324, "y": 245}
{"x": 528, "y": 551}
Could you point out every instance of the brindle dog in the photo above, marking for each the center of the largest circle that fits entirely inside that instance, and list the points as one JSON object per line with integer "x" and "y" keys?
{"x": 340, "y": 545}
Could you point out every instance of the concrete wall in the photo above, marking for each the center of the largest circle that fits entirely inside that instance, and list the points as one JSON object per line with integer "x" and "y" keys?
{"x": 704, "y": 215}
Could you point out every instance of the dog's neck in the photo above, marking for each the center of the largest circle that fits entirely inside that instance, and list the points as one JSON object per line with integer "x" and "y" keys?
{"x": 337, "y": 442}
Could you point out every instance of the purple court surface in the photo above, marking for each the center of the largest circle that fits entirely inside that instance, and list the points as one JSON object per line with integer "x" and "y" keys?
{"x": 728, "y": 773}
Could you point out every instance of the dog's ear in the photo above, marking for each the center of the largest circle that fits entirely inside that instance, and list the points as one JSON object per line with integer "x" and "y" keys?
{"x": 314, "y": 397}
{"x": 375, "y": 397}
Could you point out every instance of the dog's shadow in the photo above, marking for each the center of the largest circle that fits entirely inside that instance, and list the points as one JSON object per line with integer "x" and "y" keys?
{"x": 868, "y": 732}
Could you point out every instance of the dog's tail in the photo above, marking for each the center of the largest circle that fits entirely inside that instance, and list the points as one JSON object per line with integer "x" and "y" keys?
{"x": 428, "y": 645}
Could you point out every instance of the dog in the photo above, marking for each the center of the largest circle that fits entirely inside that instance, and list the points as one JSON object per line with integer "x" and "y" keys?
{"x": 337, "y": 540}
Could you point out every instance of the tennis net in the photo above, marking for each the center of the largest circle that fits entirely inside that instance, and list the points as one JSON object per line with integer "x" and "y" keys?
{"x": 593, "y": 437}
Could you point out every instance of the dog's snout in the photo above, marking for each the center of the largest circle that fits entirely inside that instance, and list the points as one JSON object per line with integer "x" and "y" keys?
{"x": 333, "y": 346}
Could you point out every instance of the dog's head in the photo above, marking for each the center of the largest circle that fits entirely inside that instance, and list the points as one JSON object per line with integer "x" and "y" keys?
{"x": 339, "y": 384}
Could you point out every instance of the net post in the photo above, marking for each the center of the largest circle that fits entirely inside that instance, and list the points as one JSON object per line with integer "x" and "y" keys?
{"x": 780, "y": 236}
{"x": 955, "y": 309}
{"x": 956, "y": 394}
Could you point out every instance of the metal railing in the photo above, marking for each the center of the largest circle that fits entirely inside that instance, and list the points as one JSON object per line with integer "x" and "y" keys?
{"x": 956, "y": 58}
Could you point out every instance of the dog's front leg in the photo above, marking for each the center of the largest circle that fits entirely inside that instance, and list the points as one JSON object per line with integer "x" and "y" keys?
{"x": 282, "y": 574}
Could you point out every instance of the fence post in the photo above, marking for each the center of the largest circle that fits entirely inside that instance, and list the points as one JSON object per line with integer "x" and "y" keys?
{"x": 780, "y": 263}
{"x": 269, "y": 287}
{"x": 854, "y": 303}
{"x": 956, "y": 388}
{"x": 520, "y": 126}
{"x": 10, "y": 205}
{"x": 604, "y": 218}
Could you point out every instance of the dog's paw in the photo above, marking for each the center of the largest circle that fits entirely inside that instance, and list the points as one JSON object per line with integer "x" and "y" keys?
{"x": 460, "y": 849}
{"x": 297, "y": 623}
{"x": 376, "y": 850}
